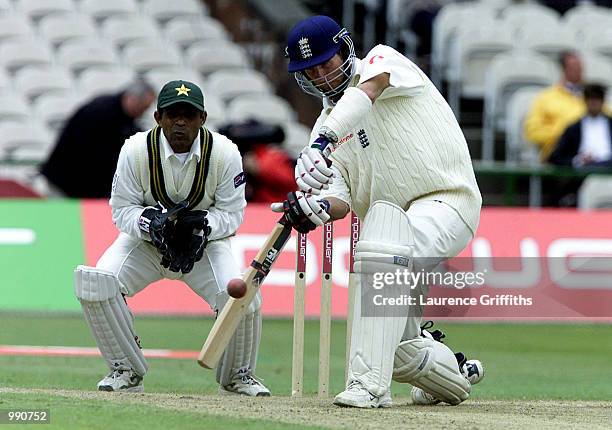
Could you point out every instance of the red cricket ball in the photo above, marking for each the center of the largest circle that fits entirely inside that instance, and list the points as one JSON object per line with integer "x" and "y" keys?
{"x": 236, "y": 288}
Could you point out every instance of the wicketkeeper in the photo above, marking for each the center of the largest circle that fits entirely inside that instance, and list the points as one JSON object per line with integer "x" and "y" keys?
{"x": 177, "y": 197}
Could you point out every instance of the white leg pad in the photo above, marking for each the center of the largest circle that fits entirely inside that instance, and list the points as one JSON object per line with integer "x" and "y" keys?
{"x": 431, "y": 366}
{"x": 385, "y": 244}
{"x": 109, "y": 318}
{"x": 241, "y": 353}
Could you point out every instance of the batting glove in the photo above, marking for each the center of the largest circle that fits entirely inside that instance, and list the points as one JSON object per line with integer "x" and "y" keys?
{"x": 313, "y": 171}
{"x": 303, "y": 211}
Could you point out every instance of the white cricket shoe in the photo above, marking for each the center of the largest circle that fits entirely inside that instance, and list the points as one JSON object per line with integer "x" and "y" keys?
{"x": 123, "y": 381}
{"x": 244, "y": 383}
{"x": 420, "y": 397}
{"x": 356, "y": 396}
{"x": 473, "y": 371}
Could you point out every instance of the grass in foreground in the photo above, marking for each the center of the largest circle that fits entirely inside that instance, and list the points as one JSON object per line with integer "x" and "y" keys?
{"x": 522, "y": 361}
{"x": 71, "y": 413}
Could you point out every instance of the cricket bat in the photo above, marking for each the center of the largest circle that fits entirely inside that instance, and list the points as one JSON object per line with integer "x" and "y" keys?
{"x": 227, "y": 321}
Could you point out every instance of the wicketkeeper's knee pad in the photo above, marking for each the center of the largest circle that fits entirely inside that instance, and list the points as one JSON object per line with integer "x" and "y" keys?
{"x": 241, "y": 352}
{"x": 431, "y": 366}
{"x": 109, "y": 318}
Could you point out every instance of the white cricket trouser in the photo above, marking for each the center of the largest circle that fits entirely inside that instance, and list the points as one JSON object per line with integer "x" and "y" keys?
{"x": 137, "y": 264}
{"x": 439, "y": 234}
{"x": 434, "y": 232}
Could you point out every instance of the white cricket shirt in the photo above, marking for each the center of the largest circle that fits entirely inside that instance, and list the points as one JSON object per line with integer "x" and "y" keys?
{"x": 408, "y": 147}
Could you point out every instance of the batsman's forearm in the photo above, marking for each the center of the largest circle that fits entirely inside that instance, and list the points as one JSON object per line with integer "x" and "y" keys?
{"x": 338, "y": 209}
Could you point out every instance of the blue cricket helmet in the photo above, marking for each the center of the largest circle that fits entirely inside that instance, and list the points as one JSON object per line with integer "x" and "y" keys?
{"x": 314, "y": 41}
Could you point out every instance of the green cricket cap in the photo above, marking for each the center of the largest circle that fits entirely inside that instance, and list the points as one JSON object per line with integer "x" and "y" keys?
{"x": 180, "y": 92}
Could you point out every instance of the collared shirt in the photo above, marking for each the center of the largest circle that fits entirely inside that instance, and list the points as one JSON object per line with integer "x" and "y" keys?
{"x": 224, "y": 191}
{"x": 595, "y": 139}
{"x": 179, "y": 161}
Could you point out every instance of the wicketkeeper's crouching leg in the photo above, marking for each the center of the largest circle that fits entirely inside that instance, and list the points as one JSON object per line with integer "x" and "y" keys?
{"x": 111, "y": 324}
{"x": 236, "y": 369}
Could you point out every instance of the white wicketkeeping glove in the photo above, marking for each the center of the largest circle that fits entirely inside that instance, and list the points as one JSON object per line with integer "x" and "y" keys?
{"x": 313, "y": 172}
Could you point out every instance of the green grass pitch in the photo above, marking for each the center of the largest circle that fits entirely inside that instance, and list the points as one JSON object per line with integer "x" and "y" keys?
{"x": 545, "y": 364}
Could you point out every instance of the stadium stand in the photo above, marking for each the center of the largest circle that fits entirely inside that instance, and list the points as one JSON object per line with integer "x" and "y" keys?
{"x": 145, "y": 56}
{"x": 59, "y": 53}
{"x": 517, "y": 148}
{"x": 187, "y": 31}
{"x": 506, "y": 74}
{"x": 17, "y": 136}
{"x": 60, "y": 28}
{"x": 101, "y": 10}
{"x": 81, "y": 54}
{"x": 529, "y": 15}
{"x": 446, "y": 25}
{"x": 262, "y": 107}
{"x": 208, "y": 57}
{"x": 14, "y": 107}
{"x": 5, "y": 6}
{"x": 584, "y": 16}
{"x": 473, "y": 52}
{"x": 14, "y": 26}
{"x": 25, "y": 52}
{"x": 163, "y": 10}
{"x": 597, "y": 68}
{"x": 158, "y": 77}
{"x": 599, "y": 40}
{"x": 95, "y": 81}
{"x": 37, "y": 9}
{"x": 295, "y": 136}
{"x": 36, "y": 81}
{"x": 54, "y": 109}
{"x": 123, "y": 30}
{"x": 550, "y": 40}
{"x": 228, "y": 84}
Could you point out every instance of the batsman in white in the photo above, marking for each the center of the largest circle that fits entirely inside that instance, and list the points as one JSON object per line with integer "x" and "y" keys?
{"x": 401, "y": 162}
{"x": 177, "y": 197}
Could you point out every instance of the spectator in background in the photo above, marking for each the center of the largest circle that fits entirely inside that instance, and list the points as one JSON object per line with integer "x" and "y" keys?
{"x": 587, "y": 142}
{"x": 269, "y": 169}
{"x": 556, "y": 107}
{"x": 84, "y": 159}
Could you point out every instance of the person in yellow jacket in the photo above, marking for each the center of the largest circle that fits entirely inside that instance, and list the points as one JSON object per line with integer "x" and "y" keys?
{"x": 556, "y": 107}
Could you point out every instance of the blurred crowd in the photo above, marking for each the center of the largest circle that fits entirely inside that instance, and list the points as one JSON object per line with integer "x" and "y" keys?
{"x": 569, "y": 122}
